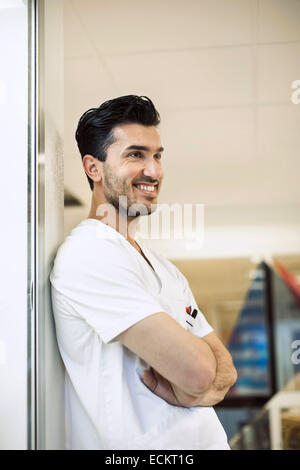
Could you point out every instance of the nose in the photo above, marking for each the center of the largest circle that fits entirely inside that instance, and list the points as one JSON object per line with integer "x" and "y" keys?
{"x": 153, "y": 169}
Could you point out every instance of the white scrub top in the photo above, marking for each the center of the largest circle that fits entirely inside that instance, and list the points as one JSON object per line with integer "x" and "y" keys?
{"x": 100, "y": 287}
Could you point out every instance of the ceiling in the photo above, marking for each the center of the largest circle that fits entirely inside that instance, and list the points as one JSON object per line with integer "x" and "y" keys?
{"x": 220, "y": 74}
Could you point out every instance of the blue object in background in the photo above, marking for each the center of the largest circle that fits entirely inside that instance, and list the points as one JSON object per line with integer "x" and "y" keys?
{"x": 248, "y": 344}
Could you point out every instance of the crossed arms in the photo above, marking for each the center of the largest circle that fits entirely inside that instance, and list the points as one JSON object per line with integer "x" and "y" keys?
{"x": 185, "y": 370}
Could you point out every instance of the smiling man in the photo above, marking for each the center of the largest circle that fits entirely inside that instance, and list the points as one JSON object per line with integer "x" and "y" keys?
{"x": 120, "y": 173}
{"x": 143, "y": 366}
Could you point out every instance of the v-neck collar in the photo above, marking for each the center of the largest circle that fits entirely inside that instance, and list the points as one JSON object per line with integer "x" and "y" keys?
{"x": 121, "y": 237}
{"x": 150, "y": 259}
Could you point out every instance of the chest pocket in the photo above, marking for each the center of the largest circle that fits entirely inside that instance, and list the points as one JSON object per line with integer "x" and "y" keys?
{"x": 173, "y": 301}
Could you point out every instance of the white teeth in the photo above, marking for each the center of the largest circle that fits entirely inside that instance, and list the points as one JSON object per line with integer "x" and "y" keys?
{"x": 146, "y": 188}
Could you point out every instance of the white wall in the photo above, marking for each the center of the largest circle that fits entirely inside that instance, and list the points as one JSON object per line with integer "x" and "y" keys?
{"x": 13, "y": 245}
{"x": 31, "y": 371}
{"x": 50, "y": 371}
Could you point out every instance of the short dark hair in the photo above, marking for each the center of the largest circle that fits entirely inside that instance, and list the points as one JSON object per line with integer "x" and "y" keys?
{"x": 95, "y": 130}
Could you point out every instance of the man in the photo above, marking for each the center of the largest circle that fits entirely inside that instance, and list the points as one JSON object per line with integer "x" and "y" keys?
{"x": 143, "y": 366}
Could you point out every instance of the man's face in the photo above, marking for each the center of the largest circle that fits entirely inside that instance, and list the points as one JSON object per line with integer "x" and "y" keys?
{"x": 133, "y": 167}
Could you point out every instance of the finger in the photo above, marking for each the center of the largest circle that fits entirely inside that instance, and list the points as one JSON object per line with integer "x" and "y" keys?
{"x": 149, "y": 379}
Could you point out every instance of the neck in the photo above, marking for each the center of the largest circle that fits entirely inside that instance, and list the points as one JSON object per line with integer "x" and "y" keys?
{"x": 106, "y": 213}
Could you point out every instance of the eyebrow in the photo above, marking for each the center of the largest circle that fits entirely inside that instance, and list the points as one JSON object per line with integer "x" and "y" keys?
{"x": 142, "y": 147}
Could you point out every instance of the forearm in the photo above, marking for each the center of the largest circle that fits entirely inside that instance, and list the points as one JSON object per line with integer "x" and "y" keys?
{"x": 225, "y": 377}
{"x": 215, "y": 374}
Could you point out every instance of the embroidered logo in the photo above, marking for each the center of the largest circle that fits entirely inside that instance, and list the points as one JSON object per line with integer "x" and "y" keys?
{"x": 193, "y": 313}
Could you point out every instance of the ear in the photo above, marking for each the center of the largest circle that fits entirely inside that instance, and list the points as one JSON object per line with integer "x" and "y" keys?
{"x": 93, "y": 167}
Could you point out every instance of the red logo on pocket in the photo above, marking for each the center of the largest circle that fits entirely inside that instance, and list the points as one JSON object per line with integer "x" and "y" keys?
{"x": 188, "y": 311}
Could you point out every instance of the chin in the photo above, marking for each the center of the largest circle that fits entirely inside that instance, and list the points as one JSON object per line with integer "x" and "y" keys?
{"x": 146, "y": 208}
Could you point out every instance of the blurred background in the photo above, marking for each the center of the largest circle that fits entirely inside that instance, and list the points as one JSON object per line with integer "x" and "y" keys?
{"x": 220, "y": 72}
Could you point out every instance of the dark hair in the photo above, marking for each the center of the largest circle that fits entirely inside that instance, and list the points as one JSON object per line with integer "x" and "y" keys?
{"x": 95, "y": 130}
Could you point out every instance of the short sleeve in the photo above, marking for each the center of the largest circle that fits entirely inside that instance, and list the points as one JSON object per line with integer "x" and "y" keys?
{"x": 106, "y": 290}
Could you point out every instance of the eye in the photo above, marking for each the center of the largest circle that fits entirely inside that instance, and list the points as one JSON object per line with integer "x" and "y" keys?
{"x": 158, "y": 156}
{"x": 135, "y": 154}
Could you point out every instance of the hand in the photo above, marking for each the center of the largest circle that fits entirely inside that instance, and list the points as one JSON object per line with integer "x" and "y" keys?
{"x": 175, "y": 396}
{"x": 212, "y": 397}
{"x": 159, "y": 386}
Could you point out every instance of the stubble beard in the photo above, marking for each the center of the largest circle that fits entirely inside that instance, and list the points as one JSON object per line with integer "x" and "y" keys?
{"x": 114, "y": 188}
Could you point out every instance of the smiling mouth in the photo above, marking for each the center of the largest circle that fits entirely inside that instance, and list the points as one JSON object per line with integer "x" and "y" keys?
{"x": 147, "y": 189}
